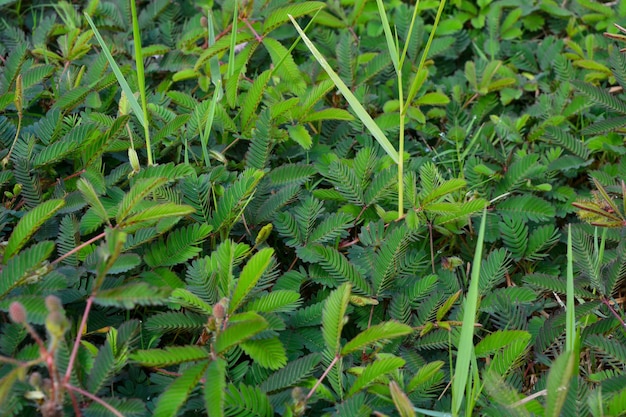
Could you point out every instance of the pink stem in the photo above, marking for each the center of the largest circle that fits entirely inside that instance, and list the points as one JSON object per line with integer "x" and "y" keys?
{"x": 83, "y": 325}
{"x": 94, "y": 398}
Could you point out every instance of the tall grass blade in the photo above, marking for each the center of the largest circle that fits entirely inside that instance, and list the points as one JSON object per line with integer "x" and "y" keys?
{"x": 141, "y": 79}
{"x": 570, "y": 317}
{"x": 391, "y": 45}
{"x": 130, "y": 96}
{"x": 466, "y": 343}
{"x": 358, "y": 108}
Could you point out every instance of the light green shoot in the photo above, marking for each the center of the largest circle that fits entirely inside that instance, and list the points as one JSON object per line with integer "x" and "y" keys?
{"x": 570, "y": 316}
{"x": 141, "y": 79}
{"x": 466, "y": 342}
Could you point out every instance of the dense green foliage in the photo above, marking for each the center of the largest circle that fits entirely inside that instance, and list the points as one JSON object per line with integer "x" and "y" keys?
{"x": 195, "y": 222}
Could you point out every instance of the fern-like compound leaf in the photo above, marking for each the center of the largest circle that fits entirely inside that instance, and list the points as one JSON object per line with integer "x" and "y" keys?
{"x": 246, "y": 401}
{"x": 131, "y": 295}
{"x": 274, "y": 302}
{"x": 293, "y": 373}
{"x": 168, "y": 356}
{"x": 280, "y": 16}
{"x": 239, "y": 331}
{"x": 181, "y": 245}
{"x": 514, "y": 232}
{"x": 175, "y": 321}
{"x": 376, "y": 333}
{"x": 250, "y": 275}
{"x": 569, "y": 142}
{"x": 375, "y": 370}
{"x": 23, "y": 267}
{"x": 215, "y": 388}
{"x": 177, "y": 393}
{"x": 268, "y": 353}
{"x": 29, "y": 224}
{"x": 600, "y": 96}
{"x": 333, "y": 317}
{"x": 528, "y": 207}
{"x": 337, "y": 265}
{"x": 102, "y": 369}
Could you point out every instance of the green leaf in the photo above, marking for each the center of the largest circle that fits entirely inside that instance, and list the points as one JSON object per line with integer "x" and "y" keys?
{"x": 8, "y": 380}
{"x": 280, "y": 16}
{"x": 327, "y": 114}
{"x": 275, "y": 302}
{"x": 168, "y": 356}
{"x": 250, "y": 275}
{"x": 140, "y": 190}
{"x": 103, "y": 368}
{"x": 376, "y": 333}
{"x": 158, "y": 212}
{"x": 23, "y": 267}
{"x": 253, "y": 98}
{"x": 131, "y": 295}
{"x": 375, "y": 370}
{"x": 301, "y": 136}
{"x": 295, "y": 371}
{"x": 333, "y": 317}
{"x": 498, "y": 340}
{"x": 182, "y": 244}
{"x": 559, "y": 379}
{"x": 238, "y": 331}
{"x": 176, "y": 394}
{"x": 215, "y": 388}
{"x": 401, "y": 400}
{"x": 29, "y": 224}
{"x": 89, "y": 193}
{"x": 269, "y": 353}
{"x": 247, "y": 401}
{"x": 528, "y": 207}
{"x": 191, "y": 301}
{"x": 432, "y": 99}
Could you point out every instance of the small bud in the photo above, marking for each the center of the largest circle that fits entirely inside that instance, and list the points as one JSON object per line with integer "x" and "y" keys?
{"x": 264, "y": 233}
{"x": 123, "y": 106}
{"x": 218, "y": 311}
{"x": 17, "y": 312}
{"x": 19, "y": 94}
{"x": 134, "y": 160}
{"x": 56, "y": 324}
{"x": 211, "y": 325}
{"x": 204, "y": 21}
{"x": 53, "y": 303}
{"x": 35, "y": 379}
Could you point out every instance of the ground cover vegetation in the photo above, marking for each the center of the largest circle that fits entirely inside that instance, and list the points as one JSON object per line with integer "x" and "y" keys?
{"x": 315, "y": 208}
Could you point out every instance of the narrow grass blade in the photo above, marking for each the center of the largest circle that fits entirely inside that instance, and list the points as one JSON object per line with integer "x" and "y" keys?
{"x": 360, "y": 111}
{"x": 466, "y": 343}
{"x": 570, "y": 317}
{"x": 134, "y": 104}
{"x": 391, "y": 46}
{"x": 141, "y": 78}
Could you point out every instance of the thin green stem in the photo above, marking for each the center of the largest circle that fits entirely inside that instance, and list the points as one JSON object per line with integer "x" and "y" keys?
{"x": 400, "y": 150}
{"x": 141, "y": 80}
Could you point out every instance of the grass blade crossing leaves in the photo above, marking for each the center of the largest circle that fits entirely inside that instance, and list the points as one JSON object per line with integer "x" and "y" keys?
{"x": 466, "y": 342}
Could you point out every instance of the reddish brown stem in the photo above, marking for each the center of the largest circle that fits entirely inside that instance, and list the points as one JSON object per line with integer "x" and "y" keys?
{"x": 324, "y": 375}
{"x": 77, "y": 248}
{"x": 81, "y": 329}
{"x": 94, "y": 398}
